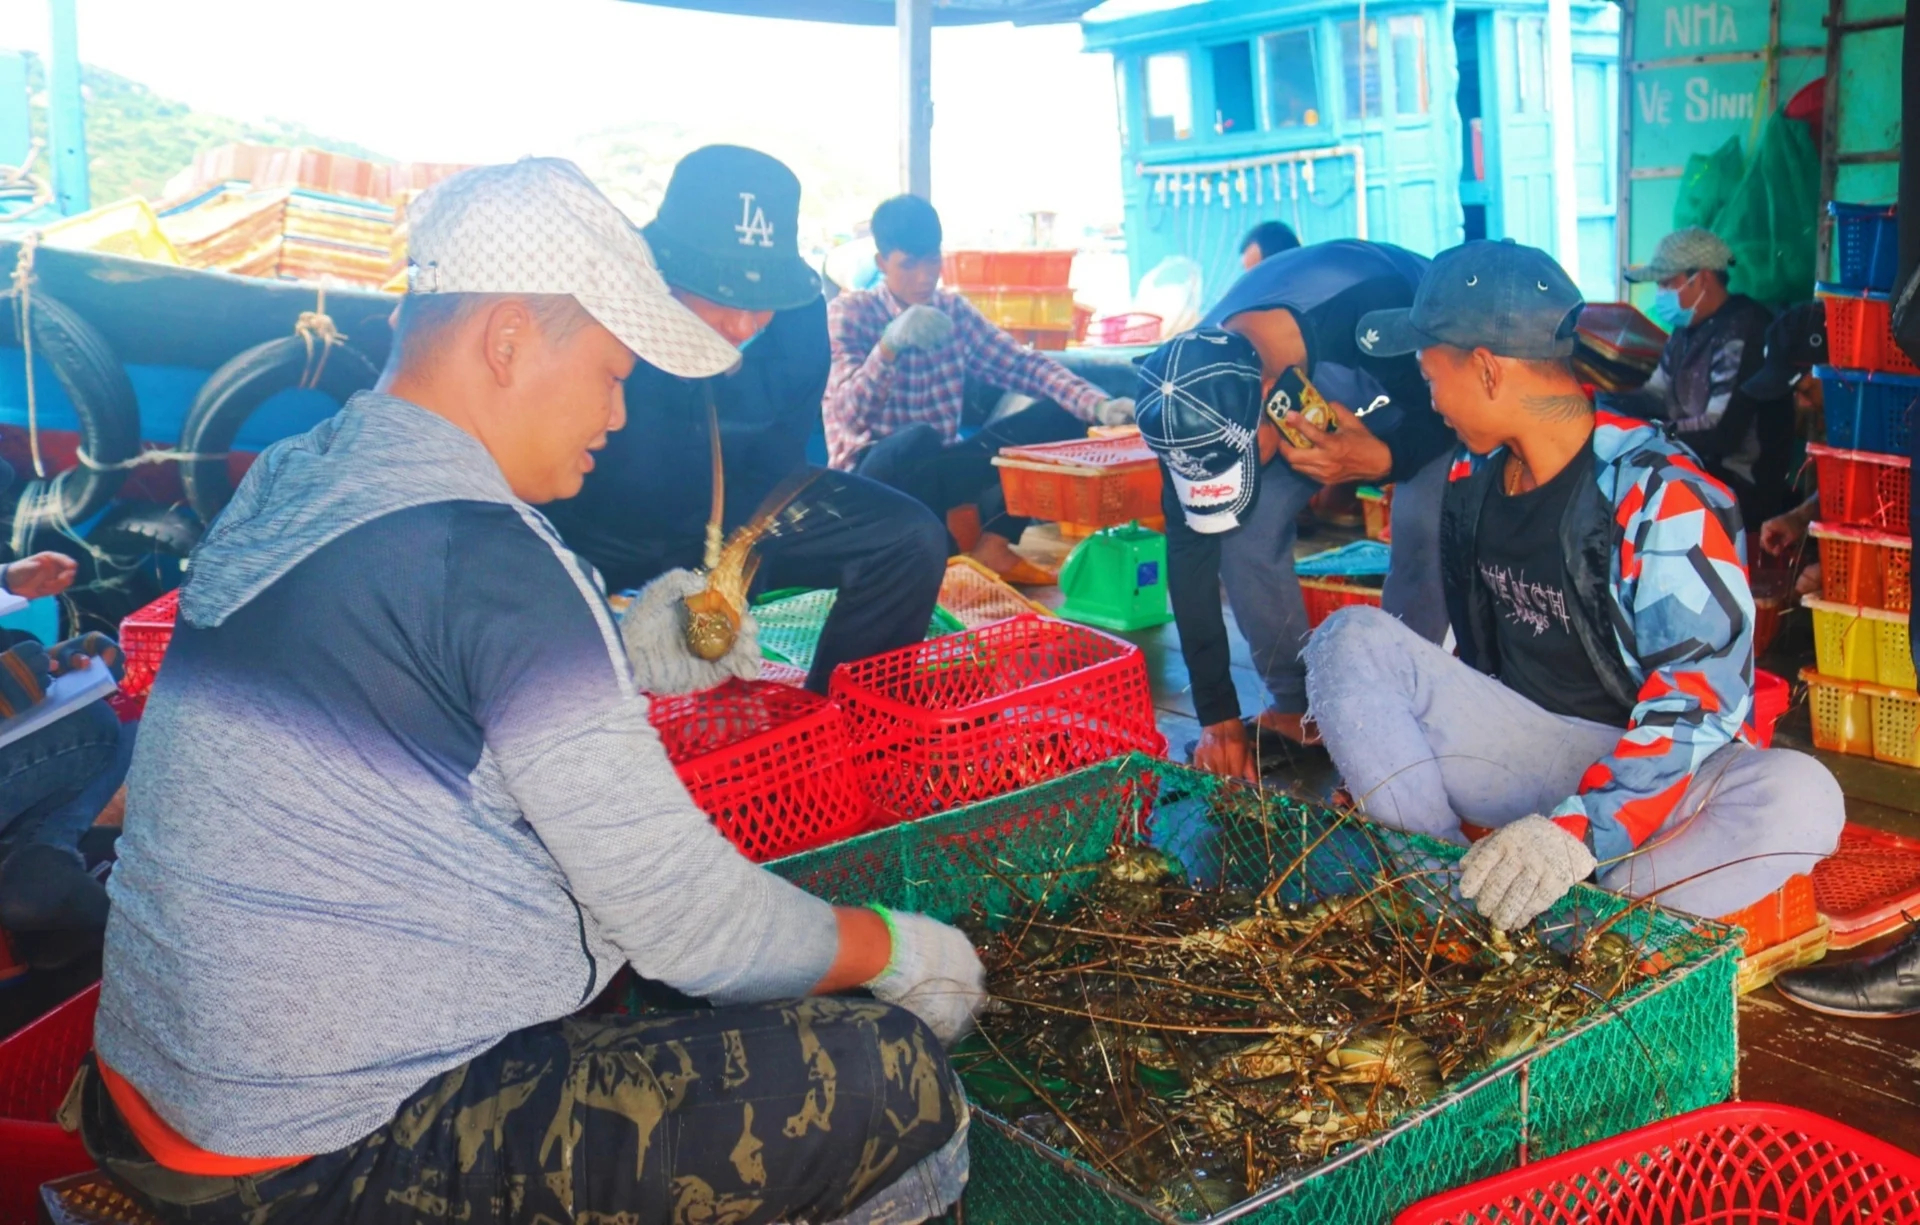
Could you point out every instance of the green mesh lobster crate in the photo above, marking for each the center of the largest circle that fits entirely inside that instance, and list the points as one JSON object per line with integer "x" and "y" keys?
{"x": 790, "y": 622}
{"x": 1665, "y": 1047}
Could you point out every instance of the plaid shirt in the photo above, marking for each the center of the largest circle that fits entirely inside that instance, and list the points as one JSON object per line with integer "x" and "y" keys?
{"x": 869, "y": 398}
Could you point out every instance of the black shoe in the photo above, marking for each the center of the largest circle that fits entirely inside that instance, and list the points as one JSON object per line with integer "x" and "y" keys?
{"x": 1885, "y": 986}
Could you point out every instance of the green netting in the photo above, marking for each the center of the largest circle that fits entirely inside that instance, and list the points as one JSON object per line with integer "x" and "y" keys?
{"x": 790, "y": 622}
{"x": 1666, "y": 1047}
{"x": 1707, "y": 184}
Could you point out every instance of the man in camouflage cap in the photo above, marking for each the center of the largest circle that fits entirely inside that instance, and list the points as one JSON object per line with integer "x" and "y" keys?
{"x": 1718, "y": 342}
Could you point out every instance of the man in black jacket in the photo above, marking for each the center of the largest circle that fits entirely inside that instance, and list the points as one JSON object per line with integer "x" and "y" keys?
{"x": 1230, "y": 509}
{"x": 1718, "y": 343}
{"x": 724, "y": 240}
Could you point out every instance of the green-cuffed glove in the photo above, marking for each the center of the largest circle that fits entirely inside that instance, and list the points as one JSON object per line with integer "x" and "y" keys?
{"x": 73, "y": 654}
{"x": 933, "y": 973}
{"x": 25, "y": 673}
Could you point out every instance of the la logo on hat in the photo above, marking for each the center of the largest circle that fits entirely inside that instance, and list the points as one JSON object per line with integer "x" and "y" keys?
{"x": 727, "y": 231}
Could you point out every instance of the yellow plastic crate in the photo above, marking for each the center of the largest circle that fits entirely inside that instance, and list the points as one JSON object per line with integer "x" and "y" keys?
{"x": 1896, "y": 724}
{"x": 126, "y": 227}
{"x": 1896, "y": 652}
{"x": 1008, "y": 306}
{"x": 1845, "y": 645}
{"x": 1842, "y": 714}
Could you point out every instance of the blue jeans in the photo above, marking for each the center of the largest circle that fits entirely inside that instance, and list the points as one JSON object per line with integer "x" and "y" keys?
{"x": 53, "y": 783}
{"x": 1256, "y": 567}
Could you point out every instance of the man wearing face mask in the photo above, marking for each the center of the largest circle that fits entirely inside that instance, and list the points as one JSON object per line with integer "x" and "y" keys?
{"x": 1718, "y": 343}
{"x": 724, "y": 239}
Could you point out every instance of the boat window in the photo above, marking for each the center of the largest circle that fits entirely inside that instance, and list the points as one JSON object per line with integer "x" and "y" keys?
{"x": 1293, "y": 82}
{"x": 1169, "y": 97}
{"x": 1530, "y": 57}
{"x": 1362, "y": 71}
{"x": 1409, "y": 36}
{"x": 1233, "y": 88}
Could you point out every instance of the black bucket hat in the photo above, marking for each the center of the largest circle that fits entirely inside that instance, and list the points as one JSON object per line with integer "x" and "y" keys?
{"x": 726, "y": 231}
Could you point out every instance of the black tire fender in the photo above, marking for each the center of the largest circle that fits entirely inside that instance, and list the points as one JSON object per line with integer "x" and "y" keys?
{"x": 232, "y": 393}
{"x": 133, "y": 530}
{"x": 103, "y": 398}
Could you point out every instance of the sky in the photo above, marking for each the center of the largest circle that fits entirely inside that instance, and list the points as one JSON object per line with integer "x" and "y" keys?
{"x": 1023, "y": 119}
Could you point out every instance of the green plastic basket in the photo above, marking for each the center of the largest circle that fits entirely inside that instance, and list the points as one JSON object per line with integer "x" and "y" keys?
{"x": 791, "y": 619}
{"x": 1665, "y": 1048}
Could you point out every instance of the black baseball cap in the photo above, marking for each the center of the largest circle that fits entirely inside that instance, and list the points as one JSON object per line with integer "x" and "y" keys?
{"x": 1796, "y": 342}
{"x": 1511, "y": 300}
{"x": 1199, "y": 409}
{"x": 726, "y": 231}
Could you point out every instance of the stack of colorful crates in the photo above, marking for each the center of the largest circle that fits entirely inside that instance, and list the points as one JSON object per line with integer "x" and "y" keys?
{"x": 1024, "y": 293}
{"x": 1864, "y": 696}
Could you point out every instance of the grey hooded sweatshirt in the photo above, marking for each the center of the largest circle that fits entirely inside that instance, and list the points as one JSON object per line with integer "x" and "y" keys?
{"x": 395, "y": 797}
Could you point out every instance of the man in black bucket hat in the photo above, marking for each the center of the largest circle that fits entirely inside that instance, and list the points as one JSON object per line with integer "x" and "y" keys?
{"x": 725, "y": 241}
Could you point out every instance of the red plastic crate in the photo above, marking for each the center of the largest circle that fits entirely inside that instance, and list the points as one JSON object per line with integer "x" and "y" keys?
{"x": 1865, "y": 566}
{"x": 1860, "y": 332}
{"x": 37, "y": 1065}
{"x": 977, "y": 714}
{"x": 1134, "y": 328}
{"x": 1771, "y": 697}
{"x": 144, "y": 636}
{"x": 1741, "y": 1163}
{"x": 1863, "y": 488}
{"x": 771, "y": 764}
{"x": 1863, "y": 887}
{"x": 1325, "y": 596}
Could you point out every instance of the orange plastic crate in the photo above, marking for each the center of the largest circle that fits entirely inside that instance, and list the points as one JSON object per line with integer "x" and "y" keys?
{"x": 1083, "y": 484}
{"x": 1860, "y": 332}
{"x": 1865, "y": 566}
{"x": 1868, "y": 885}
{"x": 1787, "y": 912}
{"x": 970, "y": 269}
{"x": 976, "y": 596}
{"x": 1863, "y": 488}
{"x": 1326, "y": 596}
{"x": 977, "y": 714}
{"x": 771, "y": 764}
{"x": 36, "y": 1066}
{"x": 1842, "y": 714}
{"x": 1047, "y": 340}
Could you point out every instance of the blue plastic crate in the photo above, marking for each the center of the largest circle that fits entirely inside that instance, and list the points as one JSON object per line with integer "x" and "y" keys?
{"x": 1869, "y": 244}
{"x": 1868, "y": 412}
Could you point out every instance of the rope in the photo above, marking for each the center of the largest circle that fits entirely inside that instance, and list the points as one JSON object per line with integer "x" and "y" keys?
{"x": 23, "y": 310}
{"x": 158, "y": 455}
{"x": 313, "y": 325}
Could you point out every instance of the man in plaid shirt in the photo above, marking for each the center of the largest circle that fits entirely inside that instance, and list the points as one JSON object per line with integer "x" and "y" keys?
{"x": 902, "y": 353}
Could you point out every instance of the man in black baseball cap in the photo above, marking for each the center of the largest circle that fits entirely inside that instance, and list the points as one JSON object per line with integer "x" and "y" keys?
{"x": 726, "y": 242}
{"x": 1234, "y": 483}
{"x": 1597, "y": 588}
{"x": 1796, "y": 343}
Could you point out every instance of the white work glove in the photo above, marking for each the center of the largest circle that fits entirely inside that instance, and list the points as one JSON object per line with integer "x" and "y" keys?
{"x": 1519, "y": 870}
{"x": 654, "y": 630}
{"x": 917, "y": 327}
{"x": 1114, "y": 412}
{"x": 934, "y": 974}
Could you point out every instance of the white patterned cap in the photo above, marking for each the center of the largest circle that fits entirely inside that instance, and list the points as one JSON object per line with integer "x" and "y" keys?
{"x": 1688, "y": 250}
{"x": 540, "y": 226}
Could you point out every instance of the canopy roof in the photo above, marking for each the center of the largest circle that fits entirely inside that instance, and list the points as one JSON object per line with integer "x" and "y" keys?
{"x": 881, "y": 12}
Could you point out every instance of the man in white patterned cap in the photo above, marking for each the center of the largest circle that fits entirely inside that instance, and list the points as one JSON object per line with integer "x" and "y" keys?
{"x": 1718, "y": 344}
{"x": 397, "y": 814}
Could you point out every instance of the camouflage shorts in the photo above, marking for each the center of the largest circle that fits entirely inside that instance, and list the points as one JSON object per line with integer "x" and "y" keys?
{"x": 789, "y": 1112}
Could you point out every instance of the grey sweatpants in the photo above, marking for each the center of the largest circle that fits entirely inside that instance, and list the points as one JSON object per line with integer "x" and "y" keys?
{"x": 1425, "y": 742}
{"x": 1256, "y": 567}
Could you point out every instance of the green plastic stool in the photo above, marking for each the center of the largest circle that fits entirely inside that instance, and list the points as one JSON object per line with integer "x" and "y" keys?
{"x": 1116, "y": 579}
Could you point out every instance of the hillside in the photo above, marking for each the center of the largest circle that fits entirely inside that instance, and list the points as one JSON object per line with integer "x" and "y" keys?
{"x": 137, "y": 140}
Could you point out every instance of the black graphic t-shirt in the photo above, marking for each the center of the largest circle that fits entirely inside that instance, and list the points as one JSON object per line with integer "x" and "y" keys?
{"x": 1524, "y": 572}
